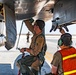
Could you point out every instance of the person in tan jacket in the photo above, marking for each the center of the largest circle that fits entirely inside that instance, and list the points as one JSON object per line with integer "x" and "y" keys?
{"x": 37, "y": 42}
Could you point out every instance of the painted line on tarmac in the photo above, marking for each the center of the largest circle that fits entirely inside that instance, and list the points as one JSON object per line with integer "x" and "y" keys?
{"x": 48, "y": 57}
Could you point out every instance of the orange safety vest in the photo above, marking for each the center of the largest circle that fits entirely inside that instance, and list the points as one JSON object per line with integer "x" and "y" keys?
{"x": 69, "y": 61}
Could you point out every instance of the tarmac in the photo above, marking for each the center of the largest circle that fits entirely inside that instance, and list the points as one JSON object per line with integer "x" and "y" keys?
{"x": 8, "y": 58}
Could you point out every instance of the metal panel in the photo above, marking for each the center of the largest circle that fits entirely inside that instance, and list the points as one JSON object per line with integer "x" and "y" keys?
{"x": 24, "y": 9}
{"x": 65, "y": 11}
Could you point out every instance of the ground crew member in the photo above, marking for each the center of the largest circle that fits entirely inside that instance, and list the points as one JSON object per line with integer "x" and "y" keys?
{"x": 28, "y": 37}
{"x": 64, "y": 60}
{"x": 37, "y": 42}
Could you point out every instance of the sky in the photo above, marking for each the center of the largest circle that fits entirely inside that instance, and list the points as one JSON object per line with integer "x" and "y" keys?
{"x": 48, "y": 24}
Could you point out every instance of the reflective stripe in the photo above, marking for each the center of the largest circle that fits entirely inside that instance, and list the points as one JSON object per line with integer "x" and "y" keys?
{"x": 70, "y": 56}
{"x": 70, "y": 72}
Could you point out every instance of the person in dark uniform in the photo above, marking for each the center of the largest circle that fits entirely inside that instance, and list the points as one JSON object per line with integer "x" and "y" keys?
{"x": 28, "y": 34}
{"x": 37, "y": 42}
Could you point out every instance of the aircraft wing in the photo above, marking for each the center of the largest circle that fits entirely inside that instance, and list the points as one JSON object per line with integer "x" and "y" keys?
{"x": 12, "y": 10}
{"x": 38, "y": 9}
{"x": 64, "y": 14}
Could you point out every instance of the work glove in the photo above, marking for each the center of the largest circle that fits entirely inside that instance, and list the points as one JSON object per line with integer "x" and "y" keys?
{"x": 31, "y": 20}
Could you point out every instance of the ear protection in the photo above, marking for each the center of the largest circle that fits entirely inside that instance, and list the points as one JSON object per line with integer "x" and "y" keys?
{"x": 65, "y": 39}
{"x": 60, "y": 43}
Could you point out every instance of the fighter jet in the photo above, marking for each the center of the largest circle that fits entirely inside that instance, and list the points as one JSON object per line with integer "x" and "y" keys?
{"x": 62, "y": 13}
